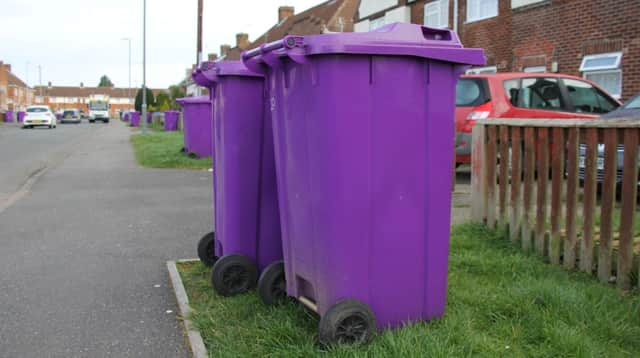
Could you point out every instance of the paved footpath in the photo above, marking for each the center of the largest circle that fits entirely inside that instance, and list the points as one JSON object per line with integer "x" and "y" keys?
{"x": 82, "y": 253}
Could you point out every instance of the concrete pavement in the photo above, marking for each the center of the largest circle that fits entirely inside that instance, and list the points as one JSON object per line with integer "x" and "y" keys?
{"x": 83, "y": 254}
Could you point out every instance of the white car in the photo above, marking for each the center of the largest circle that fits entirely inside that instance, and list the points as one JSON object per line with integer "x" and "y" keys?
{"x": 39, "y": 116}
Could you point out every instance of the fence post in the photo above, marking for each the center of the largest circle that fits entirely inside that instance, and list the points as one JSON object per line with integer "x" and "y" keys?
{"x": 477, "y": 173}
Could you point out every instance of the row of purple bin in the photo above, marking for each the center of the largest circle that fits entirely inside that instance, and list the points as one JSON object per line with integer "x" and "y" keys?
{"x": 170, "y": 119}
{"x": 9, "y": 116}
{"x": 332, "y": 173}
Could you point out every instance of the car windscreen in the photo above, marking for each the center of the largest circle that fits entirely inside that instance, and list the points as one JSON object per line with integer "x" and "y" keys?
{"x": 36, "y": 110}
{"x": 471, "y": 92}
{"x": 69, "y": 113}
{"x": 98, "y": 106}
{"x": 633, "y": 103}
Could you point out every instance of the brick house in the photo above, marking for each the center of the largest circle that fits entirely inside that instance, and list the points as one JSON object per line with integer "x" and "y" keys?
{"x": 62, "y": 97}
{"x": 595, "y": 39}
{"x": 15, "y": 95}
{"x": 329, "y": 16}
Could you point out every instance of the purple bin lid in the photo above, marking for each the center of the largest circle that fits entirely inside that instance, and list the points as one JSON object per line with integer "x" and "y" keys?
{"x": 207, "y": 74}
{"x": 193, "y": 100}
{"x": 397, "y": 39}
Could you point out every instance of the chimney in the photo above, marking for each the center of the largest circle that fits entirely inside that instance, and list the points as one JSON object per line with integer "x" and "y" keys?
{"x": 8, "y": 67}
{"x": 224, "y": 50}
{"x": 49, "y": 85}
{"x": 285, "y": 12}
{"x": 242, "y": 41}
{"x": 212, "y": 56}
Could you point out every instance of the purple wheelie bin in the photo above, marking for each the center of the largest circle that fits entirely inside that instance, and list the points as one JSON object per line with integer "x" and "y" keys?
{"x": 363, "y": 126}
{"x": 126, "y": 116}
{"x": 171, "y": 120}
{"x": 196, "y": 125}
{"x": 8, "y": 116}
{"x": 134, "y": 119}
{"x": 21, "y": 115}
{"x": 247, "y": 221}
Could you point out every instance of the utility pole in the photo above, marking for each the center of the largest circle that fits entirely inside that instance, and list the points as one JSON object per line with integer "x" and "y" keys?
{"x": 40, "y": 78}
{"x": 199, "y": 45}
{"x": 144, "y": 67}
{"x": 129, "y": 88}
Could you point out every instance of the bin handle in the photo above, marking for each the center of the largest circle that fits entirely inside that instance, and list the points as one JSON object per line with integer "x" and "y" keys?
{"x": 291, "y": 46}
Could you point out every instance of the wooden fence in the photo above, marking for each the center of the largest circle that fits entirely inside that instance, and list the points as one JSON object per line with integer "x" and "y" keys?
{"x": 545, "y": 194}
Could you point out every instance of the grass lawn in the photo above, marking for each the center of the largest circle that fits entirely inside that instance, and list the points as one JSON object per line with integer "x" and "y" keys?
{"x": 501, "y": 303}
{"x": 159, "y": 149}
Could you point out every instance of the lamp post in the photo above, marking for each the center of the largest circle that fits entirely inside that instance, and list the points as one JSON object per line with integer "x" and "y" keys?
{"x": 144, "y": 67}
{"x": 129, "y": 88}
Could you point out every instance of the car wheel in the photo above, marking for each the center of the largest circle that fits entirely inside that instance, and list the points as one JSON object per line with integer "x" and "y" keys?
{"x": 50, "y": 126}
{"x": 90, "y": 121}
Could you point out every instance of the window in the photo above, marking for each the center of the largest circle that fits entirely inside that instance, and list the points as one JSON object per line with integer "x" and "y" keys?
{"x": 604, "y": 69}
{"x": 481, "y": 9}
{"x": 535, "y": 69}
{"x": 374, "y": 24}
{"x": 436, "y": 14}
{"x": 519, "y": 3}
{"x": 587, "y": 99}
{"x": 478, "y": 70}
{"x": 540, "y": 93}
{"x": 511, "y": 89}
{"x": 471, "y": 92}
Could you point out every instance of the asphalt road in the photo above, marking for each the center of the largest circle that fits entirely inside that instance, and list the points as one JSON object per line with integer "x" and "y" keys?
{"x": 83, "y": 251}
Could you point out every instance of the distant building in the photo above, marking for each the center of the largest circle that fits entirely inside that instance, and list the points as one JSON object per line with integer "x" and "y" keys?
{"x": 596, "y": 39}
{"x": 329, "y": 16}
{"x": 15, "y": 95}
{"x": 61, "y": 97}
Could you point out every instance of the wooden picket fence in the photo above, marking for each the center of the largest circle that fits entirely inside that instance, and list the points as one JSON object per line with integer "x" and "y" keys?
{"x": 513, "y": 194}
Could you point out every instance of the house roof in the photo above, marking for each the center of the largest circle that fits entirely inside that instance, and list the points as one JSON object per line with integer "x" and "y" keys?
{"x": 68, "y": 91}
{"x": 13, "y": 80}
{"x": 332, "y": 15}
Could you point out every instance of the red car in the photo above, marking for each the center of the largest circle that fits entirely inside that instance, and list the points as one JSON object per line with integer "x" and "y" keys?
{"x": 524, "y": 95}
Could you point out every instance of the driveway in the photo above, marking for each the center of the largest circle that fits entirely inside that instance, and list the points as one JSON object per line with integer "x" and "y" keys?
{"x": 83, "y": 251}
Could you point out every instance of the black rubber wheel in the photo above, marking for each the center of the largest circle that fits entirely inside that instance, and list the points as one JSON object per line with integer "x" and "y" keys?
{"x": 192, "y": 155}
{"x": 207, "y": 249}
{"x": 272, "y": 286}
{"x": 347, "y": 322}
{"x": 90, "y": 121}
{"x": 183, "y": 150}
{"x": 106, "y": 121}
{"x": 233, "y": 274}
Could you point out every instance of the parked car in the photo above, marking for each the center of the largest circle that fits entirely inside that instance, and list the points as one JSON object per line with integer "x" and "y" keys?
{"x": 524, "y": 95}
{"x": 70, "y": 116}
{"x": 631, "y": 109}
{"x": 39, "y": 116}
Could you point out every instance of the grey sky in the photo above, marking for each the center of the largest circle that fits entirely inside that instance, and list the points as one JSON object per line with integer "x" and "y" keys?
{"x": 79, "y": 40}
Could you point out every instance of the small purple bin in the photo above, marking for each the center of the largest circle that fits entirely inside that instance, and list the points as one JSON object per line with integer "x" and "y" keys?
{"x": 8, "y": 116}
{"x": 21, "y": 116}
{"x": 196, "y": 123}
{"x": 134, "y": 119}
{"x": 363, "y": 126}
{"x": 171, "y": 120}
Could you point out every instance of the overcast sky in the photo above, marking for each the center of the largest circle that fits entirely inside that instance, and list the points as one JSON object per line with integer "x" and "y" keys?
{"x": 79, "y": 40}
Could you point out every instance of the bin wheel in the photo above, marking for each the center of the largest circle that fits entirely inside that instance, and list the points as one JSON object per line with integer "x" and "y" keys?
{"x": 192, "y": 155}
{"x": 272, "y": 286}
{"x": 183, "y": 150}
{"x": 233, "y": 274}
{"x": 207, "y": 249}
{"x": 347, "y": 322}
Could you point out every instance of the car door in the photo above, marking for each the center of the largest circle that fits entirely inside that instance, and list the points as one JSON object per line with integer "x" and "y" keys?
{"x": 536, "y": 97}
{"x": 585, "y": 99}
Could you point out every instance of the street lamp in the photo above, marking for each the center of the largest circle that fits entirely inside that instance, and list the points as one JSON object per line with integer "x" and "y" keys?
{"x": 144, "y": 66}
{"x": 129, "y": 88}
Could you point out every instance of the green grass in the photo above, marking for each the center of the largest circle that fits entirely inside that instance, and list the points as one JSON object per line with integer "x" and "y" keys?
{"x": 158, "y": 149}
{"x": 501, "y": 303}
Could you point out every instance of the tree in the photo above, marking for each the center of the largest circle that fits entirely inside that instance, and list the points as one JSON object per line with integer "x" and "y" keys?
{"x": 176, "y": 92}
{"x": 150, "y": 99}
{"x": 105, "y": 81}
{"x": 163, "y": 100}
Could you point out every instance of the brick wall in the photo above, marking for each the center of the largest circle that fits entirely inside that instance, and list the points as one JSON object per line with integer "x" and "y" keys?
{"x": 563, "y": 31}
